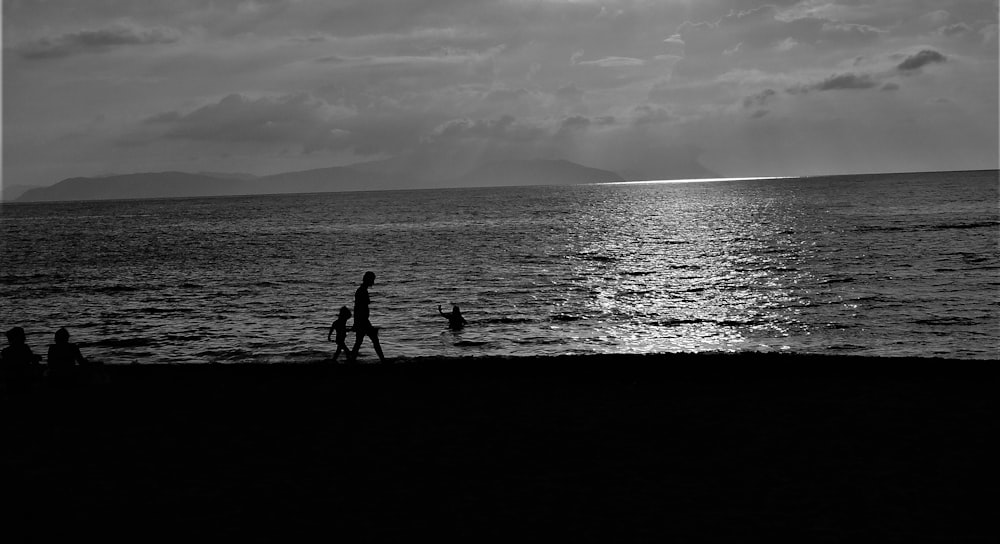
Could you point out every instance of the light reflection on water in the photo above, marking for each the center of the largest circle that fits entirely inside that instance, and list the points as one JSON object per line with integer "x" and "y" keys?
{"x": 767, "y": 265}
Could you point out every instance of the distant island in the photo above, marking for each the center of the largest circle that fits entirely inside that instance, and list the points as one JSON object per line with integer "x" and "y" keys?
{"x": 358, "y": 177}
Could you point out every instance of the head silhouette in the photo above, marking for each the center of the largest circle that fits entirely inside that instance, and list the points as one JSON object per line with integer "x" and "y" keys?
{"x": 369, "y": 278}
{"x": 345, "y": 312}
{"x": 62, "y": 336}
{"x": 455, "y": 310}
{"x": 16, "y": 336}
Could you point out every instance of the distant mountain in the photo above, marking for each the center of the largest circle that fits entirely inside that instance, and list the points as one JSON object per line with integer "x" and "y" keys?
{"x": 360, "y": 177}
{"x": 144, "y": 185}
{"x": 13, "y": 192}
{"x": 323, "y": 180}
{"x": 534, "y": 172}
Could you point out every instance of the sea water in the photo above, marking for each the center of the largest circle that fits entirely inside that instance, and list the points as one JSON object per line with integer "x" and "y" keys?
{"x": 883, "y": 265}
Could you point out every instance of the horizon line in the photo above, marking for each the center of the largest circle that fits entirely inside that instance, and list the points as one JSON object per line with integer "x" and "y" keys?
{"x": 690, "y": 180}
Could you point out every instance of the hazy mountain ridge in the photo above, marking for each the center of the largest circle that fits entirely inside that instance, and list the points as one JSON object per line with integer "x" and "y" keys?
{"x": 13, "y": 192}
{"x": 360, "y": 177}
{"x": 535, "y": 172}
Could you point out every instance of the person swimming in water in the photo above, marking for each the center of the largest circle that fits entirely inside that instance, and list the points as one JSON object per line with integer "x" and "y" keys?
{"x": 454, "y": 317}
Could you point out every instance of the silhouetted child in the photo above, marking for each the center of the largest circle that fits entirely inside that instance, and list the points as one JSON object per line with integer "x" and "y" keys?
{"x": 340, "y": 327}
{"x": 63, "y": 358}
{"x": 18, "y": 364}
{"x": 454, "y": 317}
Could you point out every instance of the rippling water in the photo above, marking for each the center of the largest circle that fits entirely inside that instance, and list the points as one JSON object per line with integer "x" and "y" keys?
{"x": 892, "y": 265}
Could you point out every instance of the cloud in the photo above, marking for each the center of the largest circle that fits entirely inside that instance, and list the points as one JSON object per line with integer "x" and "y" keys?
{"x": 759, "y": 99}
{"x": 647, "y": 114}
{"x": 280, "y": 120}
{"x": 837, "y": 82}
{"x": 380, "y": 77}
{"x": 957, "y": 29}
{"x": 674, "y": 45}
{"x": 96, "y": 40}
{"x": 919, "y": 60}
{"x": 505, "y": 128}
{"x": 846, "y": 82}
{"x": 505, "y": 95}
{"x": 612, "y": 62}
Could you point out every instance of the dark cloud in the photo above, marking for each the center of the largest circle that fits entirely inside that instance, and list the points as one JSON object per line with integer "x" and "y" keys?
{"x": 98, "y": 40}
{"x": 846, "y": 82}
{"x": 837, "y": 82}
{"x": 919, "y": 60}
{"x": 759, "y": 99}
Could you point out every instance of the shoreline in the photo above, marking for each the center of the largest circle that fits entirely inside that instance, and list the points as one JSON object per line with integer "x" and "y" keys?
{"x": 688, "y": 447}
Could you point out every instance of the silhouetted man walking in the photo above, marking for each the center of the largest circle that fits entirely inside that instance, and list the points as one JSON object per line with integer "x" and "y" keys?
{"x": 362, "y": 324}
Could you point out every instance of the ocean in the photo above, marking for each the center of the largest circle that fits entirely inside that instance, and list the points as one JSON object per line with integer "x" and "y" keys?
{"x": 877, "y": 265}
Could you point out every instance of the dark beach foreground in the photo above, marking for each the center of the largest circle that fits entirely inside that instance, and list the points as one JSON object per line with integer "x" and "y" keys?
{"x": 681, "y": 448}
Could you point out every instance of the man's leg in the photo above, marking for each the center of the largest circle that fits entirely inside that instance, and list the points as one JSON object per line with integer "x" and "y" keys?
{"x": 353, "y": 354}
{"x": 373, "y": 334}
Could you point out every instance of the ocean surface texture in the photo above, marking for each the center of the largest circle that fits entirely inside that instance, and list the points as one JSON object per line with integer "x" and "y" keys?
{"x": 885, "y": 265}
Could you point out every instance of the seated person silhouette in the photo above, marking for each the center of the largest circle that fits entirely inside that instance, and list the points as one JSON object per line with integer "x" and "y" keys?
{"x": 18, "y": 364}
{"x": 63, "y": 356}
{"x": 454, "y": 317}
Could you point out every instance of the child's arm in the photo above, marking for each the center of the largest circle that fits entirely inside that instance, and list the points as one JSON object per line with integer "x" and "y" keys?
{"x": 329, "y": 335}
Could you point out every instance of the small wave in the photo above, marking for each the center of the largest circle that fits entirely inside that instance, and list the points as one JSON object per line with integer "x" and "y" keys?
{"x": 947, "y": 321}
{"x": 675, "y": 322}
{"x": 117, "y": 289}
{"x": 14, "y": 279}
{"x": 185, "y": 338}
{"x": 157, "y": 310}
{"x": 470, "y": 343}
{"x": 836, "y": 280}
{"x": 122, "y": 342}
{"x": 845, "y": 347}
{"x": 225, "y": 354}
{"x": 940, "y": 226}
{"x": 839, "y": 326}
{"x": 973, "y": 225}
{"x": 567, "y": 317}
{"x": 597, "y": 257}
{"x": 508, "y": 320}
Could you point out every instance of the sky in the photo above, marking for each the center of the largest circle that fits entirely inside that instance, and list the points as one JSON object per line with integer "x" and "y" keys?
{"x": 640, "y": 87}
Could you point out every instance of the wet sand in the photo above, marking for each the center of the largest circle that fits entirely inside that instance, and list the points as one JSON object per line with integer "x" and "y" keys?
{"x": 683, "y": 448}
